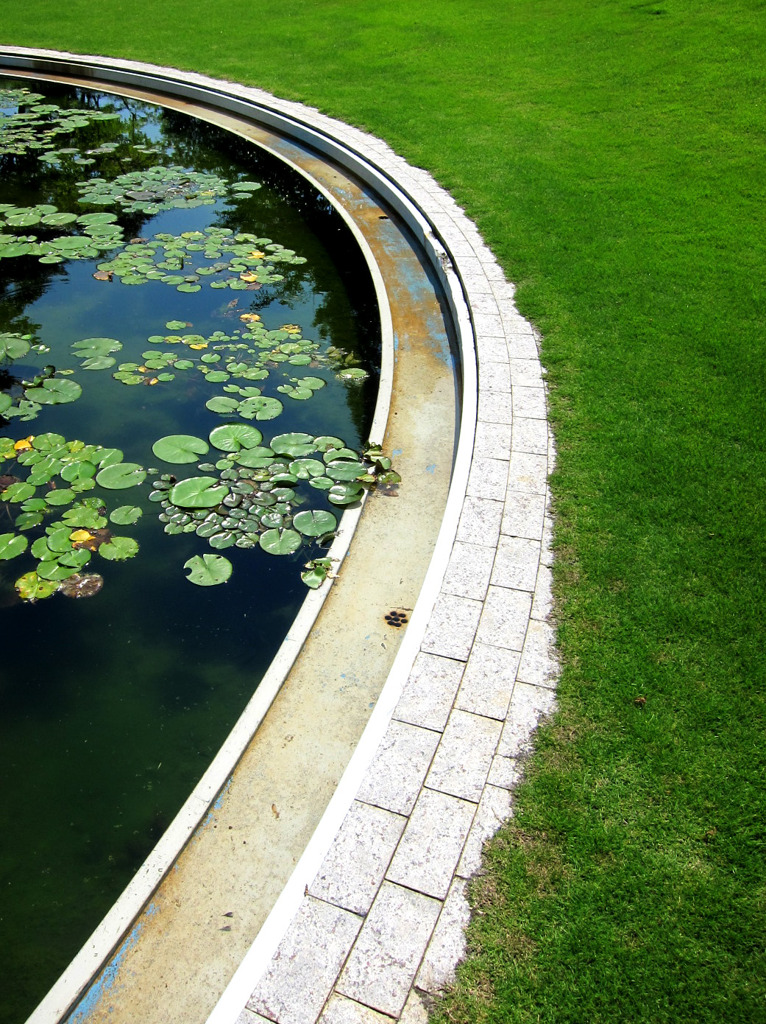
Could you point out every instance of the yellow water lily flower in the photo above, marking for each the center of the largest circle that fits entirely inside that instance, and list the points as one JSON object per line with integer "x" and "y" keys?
{"x": 199, "y": 345}
{"x": 24, "y": 444}
{"x": 80, "y": 536}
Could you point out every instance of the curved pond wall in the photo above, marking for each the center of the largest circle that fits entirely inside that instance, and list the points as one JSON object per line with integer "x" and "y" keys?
{"x": 478, "y": 650}
{"x": 398, "y": 203}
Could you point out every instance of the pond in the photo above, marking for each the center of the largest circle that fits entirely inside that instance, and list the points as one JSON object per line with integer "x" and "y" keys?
{"x": 188, "y": 351}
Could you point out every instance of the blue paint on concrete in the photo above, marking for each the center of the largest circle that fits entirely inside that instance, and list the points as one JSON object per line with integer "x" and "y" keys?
{"x": 109, "y": 976}
{"x": 219, "y": 802}
{"x": 431, "y": 468}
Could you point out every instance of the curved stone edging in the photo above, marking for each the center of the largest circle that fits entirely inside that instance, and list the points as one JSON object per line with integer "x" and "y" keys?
{"x": 433, "y": 775}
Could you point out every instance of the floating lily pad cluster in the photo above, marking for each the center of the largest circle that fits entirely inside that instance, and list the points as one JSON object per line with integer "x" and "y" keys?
{"x": 218, "y": 256}
{"x": 250, "y": 494}
{"x": 24, "y": 399}
{"x": 88, "y": 157}
{"x": 59, "y": 475}
{"x": 97, "y": 233}
{"x": 16, "y": 346}
{"x": 158, "y": 188}
{"x": 221, "y": 358}
{"x": 29, "y": 123}
{"x": 249, "y": 497}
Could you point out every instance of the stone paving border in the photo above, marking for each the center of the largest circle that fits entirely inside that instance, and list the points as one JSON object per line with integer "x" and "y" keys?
{"x": 378, "y": 927}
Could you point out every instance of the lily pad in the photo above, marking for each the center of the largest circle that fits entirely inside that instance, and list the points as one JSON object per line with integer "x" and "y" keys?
{"x": 208, "y": 570}
{"x": 53, "y": 570}
{"x": 232, "y": 437}
{"x": 118, "y": 549}
{"x": 17, "y": 492}
{"x": 295, "y": 445}
{"x": 280, "y": 542}
{"x": 223, "y": 405}
{"x": 353, "y": 373}
{"x": 55, "y": 391}
{"x": 343, "y": 469}
{"x": 180, "y": 448}
{"x": 260, "y": 408}
{"x": 13, "y": 346}
{"x": 345, "y": 493}
{"x": 325, "y": 442}
{"x": 198, "y": 492}
{"x": 126, "y": 515}
{"x": 60, "y": 496}
{"x": 314, "y": 523}
{"x": 32, "y": 587}
{"x": 121, "y": 476}
{"x": 11, "y": 545}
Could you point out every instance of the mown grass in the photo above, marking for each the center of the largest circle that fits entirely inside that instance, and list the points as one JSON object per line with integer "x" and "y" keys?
{"x": 612, "y": 154}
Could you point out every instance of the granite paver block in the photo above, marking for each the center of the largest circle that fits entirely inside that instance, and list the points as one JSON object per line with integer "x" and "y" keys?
{"x": 542, "y": 603}
{"x": 477, "y": 286}
{"x": 495, "y": 377}
{"x": 429, "y": 691}
{"x": 528, "y": 705}
{"x": 526, "y": 373}
{"x": 522, "y": 346}
{"x": 494, "y": 809}
{"x": 485, "y": 303}
{"x": 495, "y": 407}
{"x": 538, "y": 659}
{"x": 356, "y": 862}
{"x": 480, "y": 521}
{"x": 496, "y": 274}
{"x": 463, "y": 758}
{"x": 394, "y": 777}
{"x": 433, "y": 840}
{"x": 515, "y": 323}
{"x": 303, "y": 970}
{"x": 249, "y": 1017}
{"x": 468, "y": 570}
{"x": 385, "y": 958}
{"x": 489, "y": 323}
{"x": 340, "y": 1010}
{"x": 528, "y": 402}
{"x": 505, "y": 772}
{"x": 492, "y": 349}
{"x": 493, "y": 440}
{"x": 516, "y": 563}
{"x": 447, "y": 946}
{"x": 523, "y": 515}
{"x": 488, "y": 478}
{"x": 415, "y": 1010}
{"x": 452, "y": 627}
{"x": 530, "y": 435}
{"x": 471, "y": 265}
{"x": 488, "y": 681}
{"x": 528, "y": 472}
{"x": 505, "y": 617}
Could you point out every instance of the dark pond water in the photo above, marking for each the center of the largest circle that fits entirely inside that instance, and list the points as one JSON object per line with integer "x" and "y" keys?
{"x": 112, "y": 706}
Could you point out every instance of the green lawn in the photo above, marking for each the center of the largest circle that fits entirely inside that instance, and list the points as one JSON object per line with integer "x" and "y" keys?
{"x": 612, "y": 153}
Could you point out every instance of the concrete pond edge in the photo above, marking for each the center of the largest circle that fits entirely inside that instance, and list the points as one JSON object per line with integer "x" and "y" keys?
{"x": 432, "y": 778}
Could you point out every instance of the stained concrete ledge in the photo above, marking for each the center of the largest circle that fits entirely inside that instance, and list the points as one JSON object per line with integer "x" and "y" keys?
{"x": 371, "y": 920}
